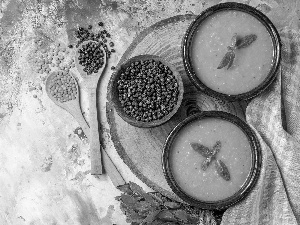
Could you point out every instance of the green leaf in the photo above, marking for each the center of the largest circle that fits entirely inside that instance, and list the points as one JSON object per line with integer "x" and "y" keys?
{"x": 246, "y": 41}
{"x": 151, "y": 217}
{"x": 181, "y": 214}
{"x": 136, "y": 188}
{"x": 157, "y": 222}
{"x": 143, "y": 206}
{"x": 128, "y": 200}
{"x": 166, "y": 215}
{"x": 172, "y": 205}
{"x": 125, "y": 188}
{"x": 118, "y": 198}
{"x": 131, "y": 215}
{"x": 227, "y": 60}
{"x": 157, "y": 197}
{"x": 139, "y": 191}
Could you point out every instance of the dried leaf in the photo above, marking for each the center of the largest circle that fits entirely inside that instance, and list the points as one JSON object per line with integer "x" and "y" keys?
{"x": 222, "y": 170}
{"x": 231, "y": 60}
{"x": 181, "y": 215}
{"x": 172, "y": 205}
{"x": 227, "y": 60}
{"x": 246, "y": 41}
{"x": 233, "y": 40}
{"x": 216, "y": 148}
{"x": 125, "y": 188}
{"x": 151, "y": 217}
{"x": 203, "y": 150}
{"x": 206, "y": 163}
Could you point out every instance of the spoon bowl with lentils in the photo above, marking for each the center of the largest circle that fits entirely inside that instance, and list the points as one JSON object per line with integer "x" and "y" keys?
{"x": 146, "y": 91}
{"x": 62, "y": 89}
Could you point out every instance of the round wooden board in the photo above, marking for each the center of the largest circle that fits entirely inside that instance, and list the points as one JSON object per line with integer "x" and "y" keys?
{"x": 141, "y": 148}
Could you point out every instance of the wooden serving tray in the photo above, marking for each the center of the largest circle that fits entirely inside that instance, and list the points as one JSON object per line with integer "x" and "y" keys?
{"x": 141, "y": 148}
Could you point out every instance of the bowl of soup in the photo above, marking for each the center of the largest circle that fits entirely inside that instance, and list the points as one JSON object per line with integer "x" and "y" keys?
{"x": 212, "y": 160}
{"x": 231, "y": 50}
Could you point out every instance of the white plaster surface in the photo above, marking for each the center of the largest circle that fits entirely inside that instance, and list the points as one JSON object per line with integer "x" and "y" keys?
{"x": 44, "y": 166}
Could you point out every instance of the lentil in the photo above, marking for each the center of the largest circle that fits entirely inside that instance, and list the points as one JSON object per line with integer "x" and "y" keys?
{"x": 143, "y": 87}
{"x": 63, "y": 87}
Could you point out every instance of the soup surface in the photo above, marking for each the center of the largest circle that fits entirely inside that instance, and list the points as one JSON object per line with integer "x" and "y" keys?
{"x": 251, "y": 64}
{"x": 186, "y": 163}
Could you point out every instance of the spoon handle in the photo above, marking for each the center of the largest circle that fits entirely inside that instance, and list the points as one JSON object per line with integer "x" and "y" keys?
{"x": 96, "y": 158}
{"x": 110, "y": 168}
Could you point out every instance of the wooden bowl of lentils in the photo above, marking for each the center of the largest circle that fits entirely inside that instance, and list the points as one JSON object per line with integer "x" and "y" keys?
{"x": 146, "y": 91}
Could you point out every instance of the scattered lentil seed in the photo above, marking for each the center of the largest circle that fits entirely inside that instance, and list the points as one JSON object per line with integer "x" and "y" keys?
{"x": 113, "y": 68}
{"x": 100, "y": 24}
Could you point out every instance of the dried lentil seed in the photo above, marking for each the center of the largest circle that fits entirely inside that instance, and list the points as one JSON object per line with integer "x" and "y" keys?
{"x": 59, "y": 87}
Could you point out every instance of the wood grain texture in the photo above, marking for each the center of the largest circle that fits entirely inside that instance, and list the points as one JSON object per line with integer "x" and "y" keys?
{"x": 141, "y": 148}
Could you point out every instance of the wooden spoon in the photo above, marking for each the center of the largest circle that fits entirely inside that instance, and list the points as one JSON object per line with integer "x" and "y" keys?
{"x": 91, "y": 83}
{"x": 73, "y": 107}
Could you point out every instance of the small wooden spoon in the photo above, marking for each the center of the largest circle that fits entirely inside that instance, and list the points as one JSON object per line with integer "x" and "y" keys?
{"x": 91, "y": 82}
{"x": 73, "y": 107}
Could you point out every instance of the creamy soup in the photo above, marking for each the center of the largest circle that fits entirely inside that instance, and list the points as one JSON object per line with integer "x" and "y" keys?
{"x": 251, "y": 64}
{"x": 235, "y": 153}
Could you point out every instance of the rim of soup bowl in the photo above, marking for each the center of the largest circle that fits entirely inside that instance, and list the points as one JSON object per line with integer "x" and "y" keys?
{"x": 248, "y": 184}
{"x": 187, "y": 43}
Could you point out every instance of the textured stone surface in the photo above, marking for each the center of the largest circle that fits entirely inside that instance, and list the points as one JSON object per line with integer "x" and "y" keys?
{"x": 44, "y": 162}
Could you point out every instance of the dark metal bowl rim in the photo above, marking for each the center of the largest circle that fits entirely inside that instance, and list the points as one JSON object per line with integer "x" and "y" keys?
{"x": 250, "y": 181}
{"x": 187, "y": 42}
